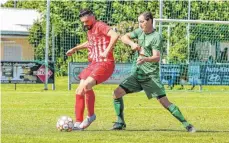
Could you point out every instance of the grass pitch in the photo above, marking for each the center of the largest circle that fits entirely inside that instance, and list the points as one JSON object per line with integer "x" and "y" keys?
{"x": 29, "y": 115}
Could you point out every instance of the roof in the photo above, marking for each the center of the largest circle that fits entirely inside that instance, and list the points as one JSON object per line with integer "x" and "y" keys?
{"x": 16, "y": 21}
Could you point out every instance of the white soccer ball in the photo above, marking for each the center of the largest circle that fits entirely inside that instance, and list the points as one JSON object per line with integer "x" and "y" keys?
{"x": 65, "y": 123}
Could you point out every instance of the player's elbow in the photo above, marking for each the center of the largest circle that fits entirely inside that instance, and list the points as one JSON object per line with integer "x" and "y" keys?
{"x": 113, "y": 35}
{"x": 157, "y": 59}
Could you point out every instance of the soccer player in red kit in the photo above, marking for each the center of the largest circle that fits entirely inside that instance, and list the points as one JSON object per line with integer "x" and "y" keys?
{"x": 100, "y": 42}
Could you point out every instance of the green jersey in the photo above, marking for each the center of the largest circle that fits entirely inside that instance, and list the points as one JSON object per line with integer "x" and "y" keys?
{"x": 148, "y": 42}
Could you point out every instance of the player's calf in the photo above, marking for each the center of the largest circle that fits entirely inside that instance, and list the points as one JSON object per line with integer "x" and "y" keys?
{"x": 118, "y": 93}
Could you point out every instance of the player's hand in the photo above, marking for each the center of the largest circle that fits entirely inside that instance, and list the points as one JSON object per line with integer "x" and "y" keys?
{"x": 135, "y": 47}
{"x": 103, "y": 55}
{"x": 141, "y": 60}
{"x": 70, "y": 52}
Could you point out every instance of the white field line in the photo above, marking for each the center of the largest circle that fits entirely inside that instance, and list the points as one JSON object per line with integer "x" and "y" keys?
{"x": 101, "y": 92}
{"x": 73, "y": 91}
{"x": 126, "y": 108}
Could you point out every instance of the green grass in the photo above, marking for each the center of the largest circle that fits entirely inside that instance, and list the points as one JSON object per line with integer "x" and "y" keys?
{"x": 29, "y": 115}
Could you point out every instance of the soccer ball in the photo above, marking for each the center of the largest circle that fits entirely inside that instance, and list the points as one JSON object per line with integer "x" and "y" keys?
{"x": 65, "y": 123}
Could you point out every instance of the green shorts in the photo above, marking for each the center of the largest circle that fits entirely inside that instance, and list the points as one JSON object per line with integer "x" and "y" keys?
{"x": 152, "y": 86}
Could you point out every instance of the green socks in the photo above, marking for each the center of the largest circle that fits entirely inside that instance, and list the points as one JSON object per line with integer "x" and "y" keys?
{"x": 174, "y": 110}
{"x": 119, "y": 107}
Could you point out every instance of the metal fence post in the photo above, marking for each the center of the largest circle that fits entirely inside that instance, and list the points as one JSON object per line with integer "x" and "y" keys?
{"x": 47, "y": 45}
{"x": 53, "y": 56}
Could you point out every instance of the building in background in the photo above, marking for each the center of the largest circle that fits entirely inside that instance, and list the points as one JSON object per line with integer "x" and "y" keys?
{"x": 15, "y": 24}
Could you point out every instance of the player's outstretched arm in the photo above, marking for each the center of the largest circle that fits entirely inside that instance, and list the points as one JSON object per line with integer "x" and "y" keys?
{"x": 127, "y": 40}
{"x": 114, "y": 38}
{"x": 76, "y": 48}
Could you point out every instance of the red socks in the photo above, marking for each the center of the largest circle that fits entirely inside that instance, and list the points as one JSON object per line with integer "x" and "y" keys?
{"x": 90, "y": 102}
{"x": 80, "y": 105}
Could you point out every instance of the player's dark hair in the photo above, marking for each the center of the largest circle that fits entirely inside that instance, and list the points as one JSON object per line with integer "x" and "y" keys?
{"x": 147, "y": 15}
{"x": 85, "y": 12}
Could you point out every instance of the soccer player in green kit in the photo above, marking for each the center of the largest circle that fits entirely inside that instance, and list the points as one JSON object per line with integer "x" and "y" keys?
{"x": 145, "y": 72}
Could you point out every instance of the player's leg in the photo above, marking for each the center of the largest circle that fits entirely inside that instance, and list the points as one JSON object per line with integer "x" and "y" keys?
{"x": 79, "y": 105}
{"x": 100, "y": 73}
{"x": 154, "y": 88}
{"x": 119, "y": 108}
{"x": 129, "y": 85}
{"x": 80, "y": 97}
{"x": 175, "y": 111}
{"x": 90, "y": 95}
{"x": 90, "y": 102}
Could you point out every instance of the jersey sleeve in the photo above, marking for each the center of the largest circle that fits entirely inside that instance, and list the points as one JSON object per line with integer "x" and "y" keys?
{"x": 103, "y": 28}
{"x": 157, "y": 43}
{"x": 134, "y": 34}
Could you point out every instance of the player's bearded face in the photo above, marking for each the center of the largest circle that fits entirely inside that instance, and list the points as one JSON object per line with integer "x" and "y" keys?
{"x": 87, "y": 22}
{"x": 88, "y": 27}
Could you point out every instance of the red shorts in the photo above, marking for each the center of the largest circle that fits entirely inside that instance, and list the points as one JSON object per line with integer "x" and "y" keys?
{"x": 100, "y": 71}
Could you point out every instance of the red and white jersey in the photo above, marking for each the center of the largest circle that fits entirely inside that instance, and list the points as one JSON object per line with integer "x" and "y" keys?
{"x": 98, "y": 42}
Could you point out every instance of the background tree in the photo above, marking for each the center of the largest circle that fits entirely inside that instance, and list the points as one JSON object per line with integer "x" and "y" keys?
{"x": 122, "y": 16}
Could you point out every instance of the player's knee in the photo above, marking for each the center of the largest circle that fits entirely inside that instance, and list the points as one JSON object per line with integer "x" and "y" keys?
{"x": 87, "y": 86}
{"x": 114, "y": 95}
{"x": 117, "y": 93}
{"x": 164, "y": 102}
{"x": 79, "y": 91}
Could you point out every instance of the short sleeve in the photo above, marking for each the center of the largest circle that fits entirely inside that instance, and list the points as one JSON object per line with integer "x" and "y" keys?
{"x": 103, "y": 28}
{"x": 157, "y": 43}
{"x": 134, "y": 34}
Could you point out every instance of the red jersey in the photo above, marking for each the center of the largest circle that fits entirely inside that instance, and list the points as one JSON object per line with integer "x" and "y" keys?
{"x": 98, "y": 42}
